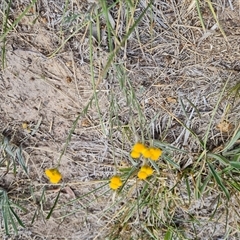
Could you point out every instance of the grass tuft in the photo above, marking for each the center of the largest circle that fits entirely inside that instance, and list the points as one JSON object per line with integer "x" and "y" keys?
{"x": 10, "y": 218}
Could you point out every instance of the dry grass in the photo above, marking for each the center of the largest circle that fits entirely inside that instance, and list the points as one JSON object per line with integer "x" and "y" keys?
{"x": 88, "y": 79}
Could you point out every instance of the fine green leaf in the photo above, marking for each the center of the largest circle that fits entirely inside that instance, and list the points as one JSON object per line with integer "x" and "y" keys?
{"x": 218, "y": 157}
{"x": 169, "y": 160}
{"x": 214, "y": 113}
{"x": 216, "y": 19}
{"x": 204, "y": 184}
{"x": 54, "y": 205}
{"x": 234, "y": 139}
{"x": 168, "y": 235}
{"x": 16, "y": 216}
{"x": 235, "y": 164}
{"x": 20, "y": 159}
{"x": 219, "y": 180}
{"x": 188, "y": 189}
{"x": 200, "y": 15}
{"x": 235, "y": 185}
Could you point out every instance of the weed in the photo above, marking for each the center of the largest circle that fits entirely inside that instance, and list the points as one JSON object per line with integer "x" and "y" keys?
{"x": 12, "y": 154}
{"x": 155, "y": 195}
{"x": 10, "y": 218}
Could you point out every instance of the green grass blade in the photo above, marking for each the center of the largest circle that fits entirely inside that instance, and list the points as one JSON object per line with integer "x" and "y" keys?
{"x": 219, "y": 180}
{"x": 234, "y": 154}
{"x": 9, "y": 216}
{"x": 109, "y": 27}
{"x": 84, "y": 195}
{"x": 54, "y": 205}
{"x": 235, "y": 90}
{"x": 235, "y": 185}
{"x": 168, "y": 147}
{"x": 34, "y": 216}
{"x": 5, "y": 221}
{"x": 4, "y": 212}
{"x": 188, "y": 189}
{"x": 234, "y": 139}
{"x": 197, "y": 187}
{"x": 42, "y": 198}
{"x": 194, "y": 107}
{"x": 11, "y": 219}
{"x": 183, "y": 108}
{"x": 216, "y": 19}
{"x": 204, "y": 184}
{"x": 215, "y": 210}
{"x": 95, "y": 94}
{"x": 20, "y": 159}
{"x": 235, "y": 164}
{"x": 16, "y": 216}
{"x": 169, "y": 160}
{"x": 214, "y": 112}
{"x": 168, "y": 235}
{"x": 200, "y": 15}
{"x": 218, "y": 157}
{"x": 146, "y": 228}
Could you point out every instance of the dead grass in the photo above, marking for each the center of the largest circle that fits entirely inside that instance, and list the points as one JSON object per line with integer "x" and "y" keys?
{"x": 124, "y": 72}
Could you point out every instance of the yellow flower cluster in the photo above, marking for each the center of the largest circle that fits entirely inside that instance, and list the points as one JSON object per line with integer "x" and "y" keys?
{"x": 54, "y": 175}
{"x": 147, "y": 152}
{"x": 140, "y": 149}
{"x": 115, "y": 182}
{"x": 145, "y": 172}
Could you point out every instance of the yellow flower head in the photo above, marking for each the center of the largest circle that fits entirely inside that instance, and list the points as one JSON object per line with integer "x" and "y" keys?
{"x": 145, "y": 172}
{"x": 146, "y": 153}
{"x": 135, "y": 154}
{"x": 148, "y": 170}
{"x": 155, "y": 153}
{"x": 54, "y": 175}
{"x": 142, "y": 175}
{"x": 138, "y": 147}
{"x": 152, "y": 153}
{"x": 115, "y": 182}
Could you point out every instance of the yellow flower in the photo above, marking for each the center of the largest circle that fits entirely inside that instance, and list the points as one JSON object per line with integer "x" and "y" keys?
{"x": 115, "y": 182}
{"x": 54, "y": 175}
{"x": 135, "y": 154}
{"x": 138, "y": 147}
{"x": 155, "y": 153}
{"x": 146, "y": 153}
{"x": 152, "y": 153}
{"x": 148, "y": 170}
{"x": 145, "y": 172}
{"x": 142, "y": 175}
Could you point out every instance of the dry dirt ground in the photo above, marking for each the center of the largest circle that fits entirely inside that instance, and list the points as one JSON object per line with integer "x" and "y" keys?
{"x": 169, "y": 62}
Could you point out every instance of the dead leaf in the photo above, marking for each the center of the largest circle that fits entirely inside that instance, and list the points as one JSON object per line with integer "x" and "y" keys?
{"x": 225, "y": 126}
{"x": 85, "y": 123}
{"x": 171, "y": 100}
{"x": 69, "y": 64}
{"x": 26, "y": 127}
{"x": 218, "y": 149}
{"x": 68, "y": 79}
